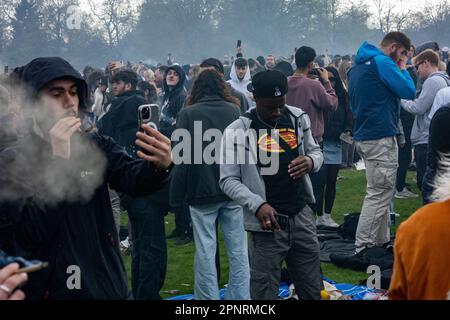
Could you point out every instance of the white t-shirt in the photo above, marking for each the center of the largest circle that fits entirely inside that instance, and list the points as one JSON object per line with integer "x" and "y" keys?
{"x": 442, "y": 99}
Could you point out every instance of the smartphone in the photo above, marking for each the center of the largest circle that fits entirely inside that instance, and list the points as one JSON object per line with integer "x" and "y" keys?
{"x": 33, "y": 268}
{"x": 6, "y": 71}
{"x": 283, "y": 221}
{"x": 239, "y": 44}
{"x": 148, "y": 114}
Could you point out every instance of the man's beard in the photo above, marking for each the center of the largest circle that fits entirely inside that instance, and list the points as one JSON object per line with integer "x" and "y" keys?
{"x": 393, "y": 56}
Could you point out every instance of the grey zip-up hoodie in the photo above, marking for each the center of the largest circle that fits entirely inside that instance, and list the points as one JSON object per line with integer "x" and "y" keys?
{"x": 243, "y": 182}
{"x": 421, "y": 106}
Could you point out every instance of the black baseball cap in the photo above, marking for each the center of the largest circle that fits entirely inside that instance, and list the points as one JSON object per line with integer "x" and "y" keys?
{"x": 269, "y": 84}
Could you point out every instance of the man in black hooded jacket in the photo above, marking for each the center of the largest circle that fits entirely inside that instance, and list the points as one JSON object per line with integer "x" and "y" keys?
{"x": 121, "y": 120}
{"x": 173, "y": 101}
{"x": 146, "y": 214}
{"x": 173, "y": 98}
{"x": 59, "y": 210}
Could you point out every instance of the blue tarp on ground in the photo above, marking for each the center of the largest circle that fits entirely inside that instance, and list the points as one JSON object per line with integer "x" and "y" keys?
{"x": 354, "y": 291}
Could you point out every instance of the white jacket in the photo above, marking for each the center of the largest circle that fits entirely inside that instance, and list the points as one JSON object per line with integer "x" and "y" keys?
{"x": 97, "y": 107}
{"x": 241, "y": 86}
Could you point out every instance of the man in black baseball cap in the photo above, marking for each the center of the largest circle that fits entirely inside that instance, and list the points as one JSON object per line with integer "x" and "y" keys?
{"x": 269, "y": 89}
{"x": 276, "y": 206}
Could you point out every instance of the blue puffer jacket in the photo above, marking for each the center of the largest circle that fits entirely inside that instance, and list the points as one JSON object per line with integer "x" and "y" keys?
{"x": 376, "y": 85}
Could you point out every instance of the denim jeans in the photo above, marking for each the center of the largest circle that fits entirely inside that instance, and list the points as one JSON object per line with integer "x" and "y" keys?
{"x": 420, "y": 154}
{"x": 182, "y": 219}
{"x": 115, "y": 205}
{"x": 404, "y": 160}
{"x": 231, "y": 221}
{"x": 149, "y": 255}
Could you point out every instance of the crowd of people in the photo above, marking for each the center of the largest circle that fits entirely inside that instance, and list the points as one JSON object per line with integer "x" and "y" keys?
{"x": 74, "y": 155}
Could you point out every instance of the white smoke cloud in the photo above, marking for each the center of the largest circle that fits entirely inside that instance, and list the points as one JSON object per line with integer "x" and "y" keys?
{"x": 27, "y": 167}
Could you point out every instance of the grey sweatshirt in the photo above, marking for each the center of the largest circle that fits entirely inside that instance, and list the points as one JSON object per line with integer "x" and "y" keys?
{"x": 242, "y": 181}
{"x": 421, "y": 106}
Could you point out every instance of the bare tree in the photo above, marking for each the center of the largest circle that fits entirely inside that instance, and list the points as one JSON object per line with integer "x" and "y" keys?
{"x": 7, "y": 16}
{"x": 385, "y": 14}
{"x": 438, "y": 15}
{"x": 54, "y": 20}
{"x": 115, "y": 18}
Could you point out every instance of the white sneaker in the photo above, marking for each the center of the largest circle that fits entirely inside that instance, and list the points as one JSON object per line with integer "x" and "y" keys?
{"x": 360, "y": 165}
{"x": 405, "y": 194}
{"x": 329, "y": 221}
{"x": 125, "y": 243}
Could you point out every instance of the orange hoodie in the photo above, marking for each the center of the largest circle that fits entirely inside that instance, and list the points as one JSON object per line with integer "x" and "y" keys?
{"x": 422, "y": 255}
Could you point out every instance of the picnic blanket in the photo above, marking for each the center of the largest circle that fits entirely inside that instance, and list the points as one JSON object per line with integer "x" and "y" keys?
{"x": 349, "y": 292}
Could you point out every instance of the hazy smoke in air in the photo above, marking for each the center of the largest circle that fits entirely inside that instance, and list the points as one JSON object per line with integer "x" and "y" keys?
{"x": 28, "y": 170}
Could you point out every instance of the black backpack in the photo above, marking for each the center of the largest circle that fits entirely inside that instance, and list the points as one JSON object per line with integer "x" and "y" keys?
{"x": 348, "y": 229}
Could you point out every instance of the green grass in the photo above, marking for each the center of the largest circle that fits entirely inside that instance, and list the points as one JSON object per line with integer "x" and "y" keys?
{"x": 349, "y": 198}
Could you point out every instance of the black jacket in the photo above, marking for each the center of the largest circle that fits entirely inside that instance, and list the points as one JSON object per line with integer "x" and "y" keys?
{"x": 338, "y": 121}
{"x": 173, "y": 101}
{"x": 199, "y": 183}
{"x": 121, "y": 121}
{"x": 73, "y": 232}
{"x": 438, "y": 145}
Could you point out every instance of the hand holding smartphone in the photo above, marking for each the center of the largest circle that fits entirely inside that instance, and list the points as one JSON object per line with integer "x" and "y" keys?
{"x": 148, "y": 114}
{"x": 113, "y": 66}
{"x": 283, "y": 221}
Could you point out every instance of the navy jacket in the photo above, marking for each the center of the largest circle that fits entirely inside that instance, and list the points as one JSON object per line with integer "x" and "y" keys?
{"x": 376, "y": 85}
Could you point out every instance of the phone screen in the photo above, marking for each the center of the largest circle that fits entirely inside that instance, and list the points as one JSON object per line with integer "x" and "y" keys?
{"x": 239, "y": 43}
{"x": 283, "y": 221}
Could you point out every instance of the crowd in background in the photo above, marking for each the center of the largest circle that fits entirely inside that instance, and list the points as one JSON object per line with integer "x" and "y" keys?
{"x": 385, "y": 106}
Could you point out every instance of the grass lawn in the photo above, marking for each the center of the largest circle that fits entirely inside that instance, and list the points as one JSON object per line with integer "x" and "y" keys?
{"x": 349, "y": 198}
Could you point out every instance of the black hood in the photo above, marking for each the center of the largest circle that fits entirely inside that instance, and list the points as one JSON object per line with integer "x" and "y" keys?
{"x": 180, "y": 84}
{"x": 41, "y": 71}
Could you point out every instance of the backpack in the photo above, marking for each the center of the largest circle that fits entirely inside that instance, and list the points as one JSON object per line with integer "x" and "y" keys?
{"x": 348, "y": 229}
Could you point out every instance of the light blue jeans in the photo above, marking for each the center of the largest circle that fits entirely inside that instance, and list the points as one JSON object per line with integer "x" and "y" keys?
{"x": 231, "y": 221}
